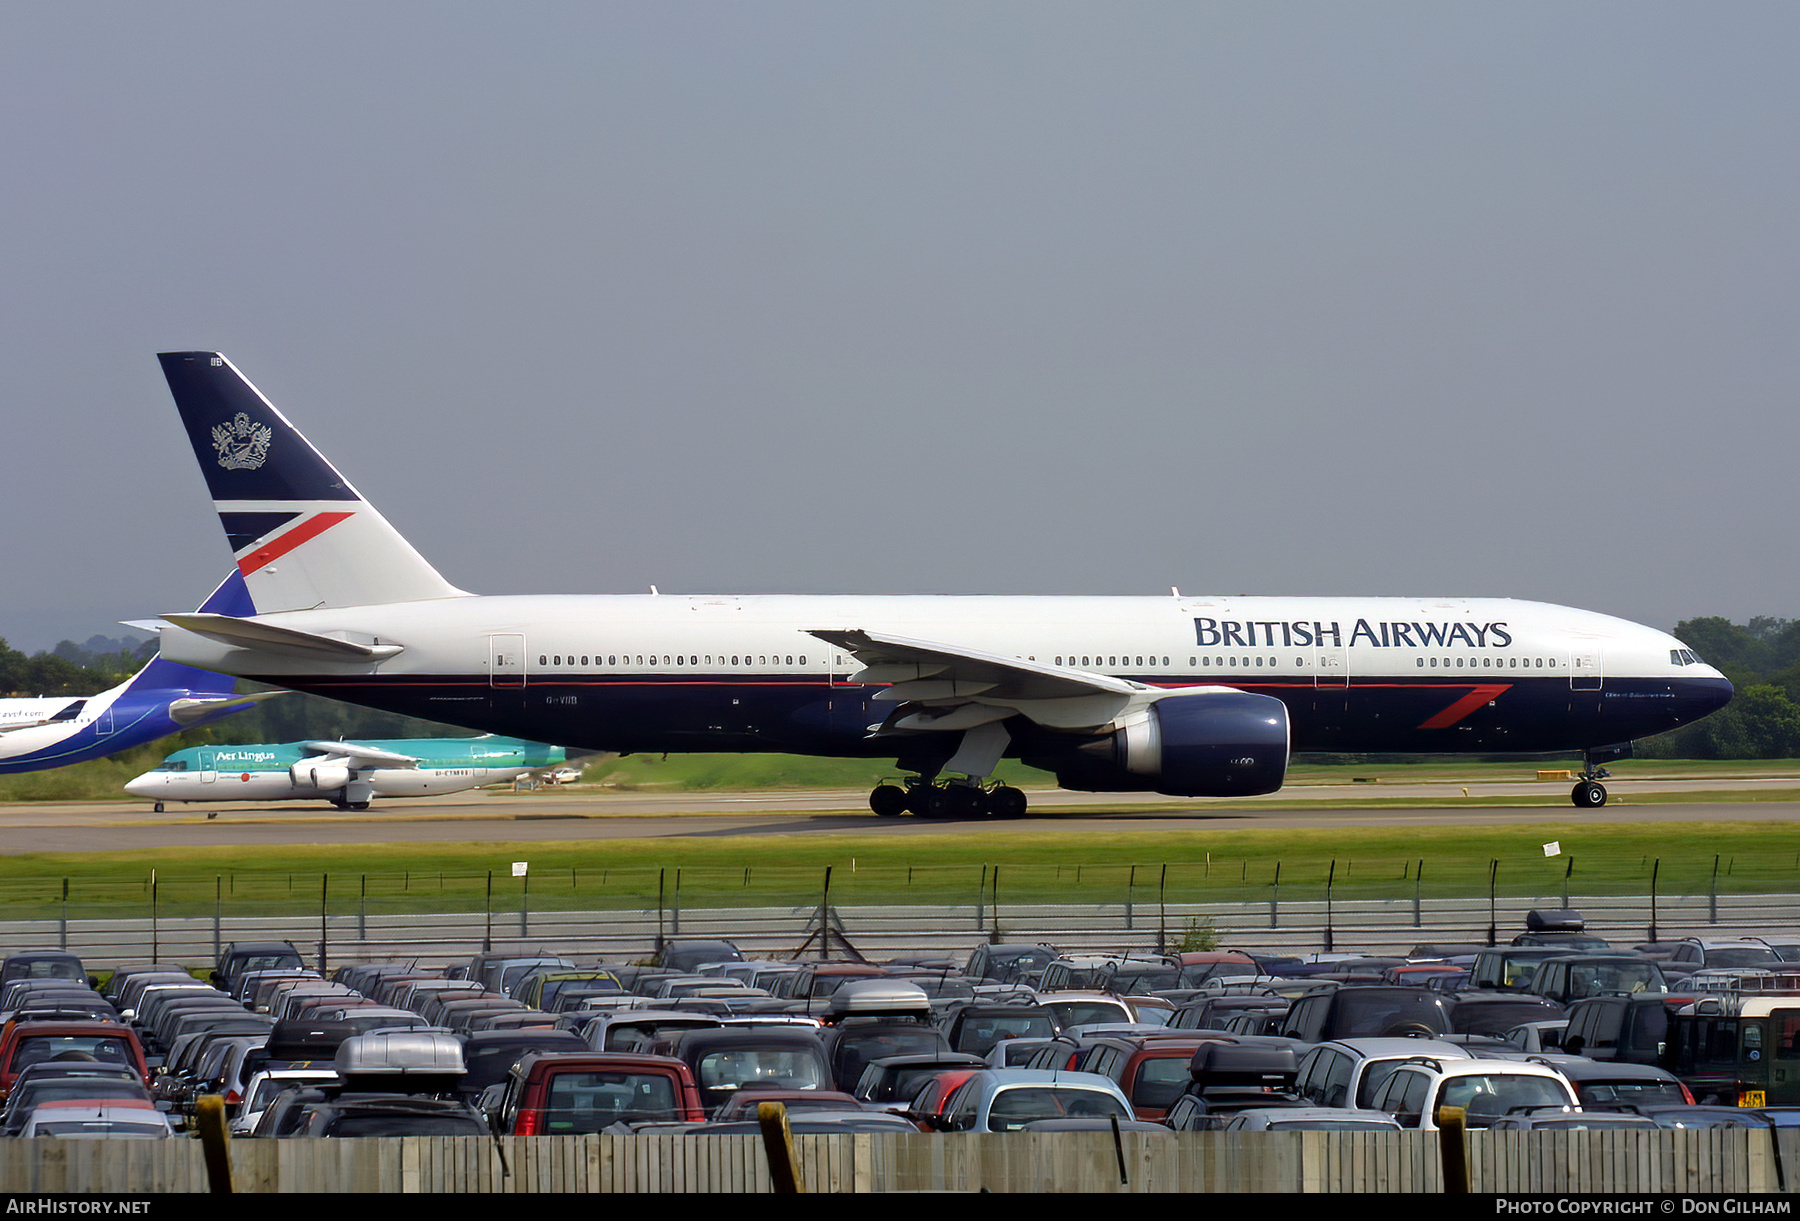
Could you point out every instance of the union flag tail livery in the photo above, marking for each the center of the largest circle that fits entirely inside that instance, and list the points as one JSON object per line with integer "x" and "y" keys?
{"x": 302, "y": 536}
{"x": 1192, "y": 696}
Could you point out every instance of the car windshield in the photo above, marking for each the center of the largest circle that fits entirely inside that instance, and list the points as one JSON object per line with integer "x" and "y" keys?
{"x": 1634, "y": 1093}
{"x": 1013, "y": 1108}
{"x": 104, "y": 1048}
{"x": 588, "y": 1102}
{"x": 405, "y": 1125}
{"x": 726, "y": 1070}
{"x": 1487, "y": 1096}
{"x": 100, "y": 1128}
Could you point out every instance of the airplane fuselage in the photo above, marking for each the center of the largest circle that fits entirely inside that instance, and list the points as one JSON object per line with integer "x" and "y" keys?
{"x": 281, "y": 772}
{"x": 679, "y": 673}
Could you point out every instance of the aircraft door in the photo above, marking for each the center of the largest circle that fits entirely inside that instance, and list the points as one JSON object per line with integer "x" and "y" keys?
{"x": 209, "y": 767}
{"x": 1331, "y": 668}
{"x": 103, "y": 724}
{"x": 506, "y": 660}
{"x": 1585, "y": 671}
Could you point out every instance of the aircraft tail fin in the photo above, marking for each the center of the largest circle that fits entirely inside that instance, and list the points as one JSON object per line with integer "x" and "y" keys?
{"x": 303, "y": 536}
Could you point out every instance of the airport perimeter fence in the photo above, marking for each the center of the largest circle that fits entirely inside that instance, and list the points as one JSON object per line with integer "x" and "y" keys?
{"x": 623, "y": 914}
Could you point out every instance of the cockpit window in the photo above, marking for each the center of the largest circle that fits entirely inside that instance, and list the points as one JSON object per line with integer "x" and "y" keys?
{"x": 1684, "y": 657}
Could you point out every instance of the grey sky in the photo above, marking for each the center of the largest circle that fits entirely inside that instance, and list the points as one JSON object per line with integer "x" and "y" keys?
{"x": 1254, "y": 298}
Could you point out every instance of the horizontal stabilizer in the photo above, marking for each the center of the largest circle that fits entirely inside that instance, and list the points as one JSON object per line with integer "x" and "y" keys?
{"x": 188, "y": 711}
{"x": 266, "y": 637}
{"x": 68, "y": 713}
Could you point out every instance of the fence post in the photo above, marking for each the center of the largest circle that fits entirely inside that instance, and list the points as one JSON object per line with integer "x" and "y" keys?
{"x": 1330, "y": 881}
{"x": 1655, "y": 869}
{"x": 661, "y": 907}
{"x": 1275, "y": 899}
{"x": 324, "y": 931}
{"x": 218, "y": 913}
{"x": 1568, "y": 872}
{"x": 1493, "y": 916}
{"x": 995, "y": 908}
{"x": 487, "y": 924}
{"x": 1712, "y": 894}
{"x": 675, "y": 908}
{"x": 155, "y": 956}
{"x": 362, "y": 907}
{"x": 62, "y": 919}
{"x": 981, "y": 900}
{"x": 1419, "y": 895}
{"x": 1162, "y": 909}
{"x": 1130, "y": 890}
{"x": 525, "y": 904}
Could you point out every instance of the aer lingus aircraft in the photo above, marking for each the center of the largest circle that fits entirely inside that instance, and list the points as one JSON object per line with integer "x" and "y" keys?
{"x": 348, "y": 774}
{"x": 1195, "y": 696}
{"x": 41, "y": 732}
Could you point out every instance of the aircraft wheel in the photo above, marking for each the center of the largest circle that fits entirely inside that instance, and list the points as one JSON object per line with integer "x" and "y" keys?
{"x": 918, "y": 799}
{"x": 1589, "y": 795}
{"x": 159, "y": 807}
{"x": 888, "y": 800}
{"x": 966, "y": 801}
{"x": 1007, "y": 802}
{"x": 939, "y": 803}
{"x": 359, "y": 805}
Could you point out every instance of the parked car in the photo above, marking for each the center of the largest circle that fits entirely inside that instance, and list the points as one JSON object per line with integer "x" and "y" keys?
{"x": 1005, "y": 1100}
{"x": 557, "y": 1093}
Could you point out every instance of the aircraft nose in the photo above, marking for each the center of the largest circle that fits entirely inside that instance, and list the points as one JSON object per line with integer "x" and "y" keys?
{"x": 1703, "y": 696}
{"x": 141, "y": 786}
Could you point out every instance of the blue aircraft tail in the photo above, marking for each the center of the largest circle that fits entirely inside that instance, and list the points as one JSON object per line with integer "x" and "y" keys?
{"x": 230, "y": 598}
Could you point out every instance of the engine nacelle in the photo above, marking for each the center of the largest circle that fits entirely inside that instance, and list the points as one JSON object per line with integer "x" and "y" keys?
{"x": 1219, "y": 743}
{"x": 322, "y": 774}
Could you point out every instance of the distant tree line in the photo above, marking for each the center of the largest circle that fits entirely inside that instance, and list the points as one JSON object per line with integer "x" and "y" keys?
{"x": 1762, "y": 660}
{"x": 72, "y": 669}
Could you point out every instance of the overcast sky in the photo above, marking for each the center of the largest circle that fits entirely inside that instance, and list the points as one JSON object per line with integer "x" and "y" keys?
{"x": 1486, "y": 299}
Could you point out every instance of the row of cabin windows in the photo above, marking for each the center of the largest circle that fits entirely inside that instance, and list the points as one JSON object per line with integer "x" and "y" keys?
{"x": 679, "y": 659}
{"x": 1495, "y": 663}
{"x": 1085, "y": 661}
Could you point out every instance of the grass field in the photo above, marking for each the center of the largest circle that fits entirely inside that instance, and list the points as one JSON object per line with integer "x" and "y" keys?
{"x": 1613, "y": 857}
{"x": 774, "y": 870}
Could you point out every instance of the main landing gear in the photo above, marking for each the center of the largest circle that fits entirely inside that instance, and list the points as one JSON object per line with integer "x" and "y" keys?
{"x": 952, "y": 800}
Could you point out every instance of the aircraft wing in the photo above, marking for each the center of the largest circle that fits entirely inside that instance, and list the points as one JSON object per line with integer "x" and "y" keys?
{"x": 359, "y": 755}
{"x": 68, "y": 712}
{"x": 944, "y": 686}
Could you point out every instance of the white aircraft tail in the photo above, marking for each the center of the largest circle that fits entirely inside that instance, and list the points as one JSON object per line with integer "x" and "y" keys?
{"x": 303, "y": 537}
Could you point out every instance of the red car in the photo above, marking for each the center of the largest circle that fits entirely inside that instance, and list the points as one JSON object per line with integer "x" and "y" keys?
{"x": 560, "y": 1093}
{"x": 23, "y": 1044}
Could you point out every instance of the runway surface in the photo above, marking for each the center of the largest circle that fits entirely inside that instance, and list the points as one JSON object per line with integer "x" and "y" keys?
{"x": 580, "y": 813}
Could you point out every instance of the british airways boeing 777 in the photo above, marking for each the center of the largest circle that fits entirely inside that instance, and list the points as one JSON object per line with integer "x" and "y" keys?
{"x": 1194, "y": 696}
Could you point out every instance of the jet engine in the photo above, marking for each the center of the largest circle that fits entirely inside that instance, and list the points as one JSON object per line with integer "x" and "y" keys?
{"x": 323, "y": 774}
{"x": 1217, "y": 743}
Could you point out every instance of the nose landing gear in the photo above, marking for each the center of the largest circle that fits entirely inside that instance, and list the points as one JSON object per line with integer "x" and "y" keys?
{"x": 1589, "y": 793}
